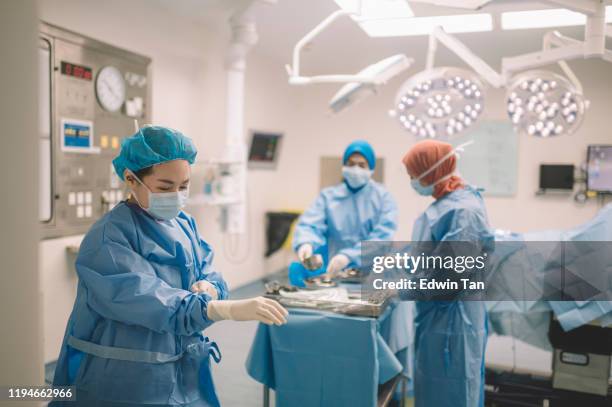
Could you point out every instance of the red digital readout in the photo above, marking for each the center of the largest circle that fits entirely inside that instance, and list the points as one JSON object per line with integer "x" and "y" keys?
{"x": 76, "y": 71}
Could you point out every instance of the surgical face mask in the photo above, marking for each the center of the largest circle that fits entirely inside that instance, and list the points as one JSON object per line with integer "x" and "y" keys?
{"x": 164, "y": 205}
{"x": 420, "y": 189}
{"x": 429, "y": 189}
{"x": 355, "y": 176}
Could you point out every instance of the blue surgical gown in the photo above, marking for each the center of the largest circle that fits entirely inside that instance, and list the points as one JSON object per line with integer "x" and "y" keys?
{"x": 134, "y": 335}
{"x": 451, "y": 335}
{"x": 341, "y": 219}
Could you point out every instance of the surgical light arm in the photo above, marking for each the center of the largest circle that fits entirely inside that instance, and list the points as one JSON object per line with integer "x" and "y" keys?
{"x": 294, "y": 71}
{"x": 452, "y": 43}
{"x": 594, "y": 44}
{"x": 555, "y": 38}
{"x": 565, "y": 48}
{"x": 580, "y": 6}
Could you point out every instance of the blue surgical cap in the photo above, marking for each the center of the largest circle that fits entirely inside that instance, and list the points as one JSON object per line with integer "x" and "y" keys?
{"x": 362, "y": 147}
{"x": 153, "y": 145}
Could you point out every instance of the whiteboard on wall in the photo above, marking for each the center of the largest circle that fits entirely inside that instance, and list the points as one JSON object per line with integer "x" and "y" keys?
{"x": 491, "y": 162}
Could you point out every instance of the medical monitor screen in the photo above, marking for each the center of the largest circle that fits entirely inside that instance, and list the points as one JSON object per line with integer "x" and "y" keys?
{"x": 599, "y": 168}
{"x": 556, "y": 176}
{"x": 264, "y": 149}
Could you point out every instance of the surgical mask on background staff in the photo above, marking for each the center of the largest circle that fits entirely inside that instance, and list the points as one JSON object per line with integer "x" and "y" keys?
{"x": 163, "y": 205}
{"x": 427, "y": 190}
{"x": 358, "y": 165}
{"x": 356, "y": 176}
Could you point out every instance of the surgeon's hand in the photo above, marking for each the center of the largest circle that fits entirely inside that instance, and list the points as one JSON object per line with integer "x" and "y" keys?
{"x": 261, "y": 309}
{"x": 304, "y": 252}
{"x": 336, "y": 265}
{"x": 205, "y": 287}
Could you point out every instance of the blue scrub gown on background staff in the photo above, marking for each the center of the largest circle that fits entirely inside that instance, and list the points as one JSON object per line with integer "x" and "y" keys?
{"x": 134, "y": 335}
{"x": 451, "y": 335}
{"x": 342, "y": 218}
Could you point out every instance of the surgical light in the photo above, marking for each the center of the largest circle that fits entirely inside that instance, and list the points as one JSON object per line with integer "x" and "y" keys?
{"x": 439, "y": 103}
{"x": 544, "y": 104}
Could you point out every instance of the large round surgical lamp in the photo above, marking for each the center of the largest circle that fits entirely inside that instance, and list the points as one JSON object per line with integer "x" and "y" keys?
{"x": 440, "y": 102}
{"x": 544, "y": 104}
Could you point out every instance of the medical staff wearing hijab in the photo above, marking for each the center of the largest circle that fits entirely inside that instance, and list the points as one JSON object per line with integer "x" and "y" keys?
{"x": 346, "y": 214}
{"x": 450, "y": 335}
{"x": 147, "y": 289}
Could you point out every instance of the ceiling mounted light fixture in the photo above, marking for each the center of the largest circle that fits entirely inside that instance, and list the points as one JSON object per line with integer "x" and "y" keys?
{"x": 543, "y": 104}
{"x": 439, "y": 103}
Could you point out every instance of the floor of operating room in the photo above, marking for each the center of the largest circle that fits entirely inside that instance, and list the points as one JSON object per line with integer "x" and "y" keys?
{"x": 234, "y": 386}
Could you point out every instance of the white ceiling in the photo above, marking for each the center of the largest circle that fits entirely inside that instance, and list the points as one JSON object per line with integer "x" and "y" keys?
{"x": 201, "y": 11}
{"x": 344, "y": 47}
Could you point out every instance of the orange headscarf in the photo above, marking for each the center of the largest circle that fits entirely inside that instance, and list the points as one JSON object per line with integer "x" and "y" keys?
{"x": 423, "y": 155}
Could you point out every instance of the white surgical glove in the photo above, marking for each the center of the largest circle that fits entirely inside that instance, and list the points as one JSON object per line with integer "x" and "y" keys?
{"x": 337, "y": 264}
{"x": 204, "y": 286}
{"x": 304, "y": 252}
{"x": 253, "y": 309}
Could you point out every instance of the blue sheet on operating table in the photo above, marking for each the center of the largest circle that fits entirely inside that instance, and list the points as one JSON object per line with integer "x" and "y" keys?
{"x": 325, "y": 359}
{"x": 570, "y": 314}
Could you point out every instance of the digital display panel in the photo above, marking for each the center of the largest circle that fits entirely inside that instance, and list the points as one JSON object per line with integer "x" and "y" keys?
{"x": 554, "y": 176}
{"x": 76, "y": 71}
{"x": 264, "y": 147}
{"x": 599, "y": 168}
{"x": 77, "y": 136}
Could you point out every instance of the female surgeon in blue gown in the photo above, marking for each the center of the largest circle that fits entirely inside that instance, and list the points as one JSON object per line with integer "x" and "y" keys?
{"x": 450, "y": 335}
{"x": 147, "y": 289}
